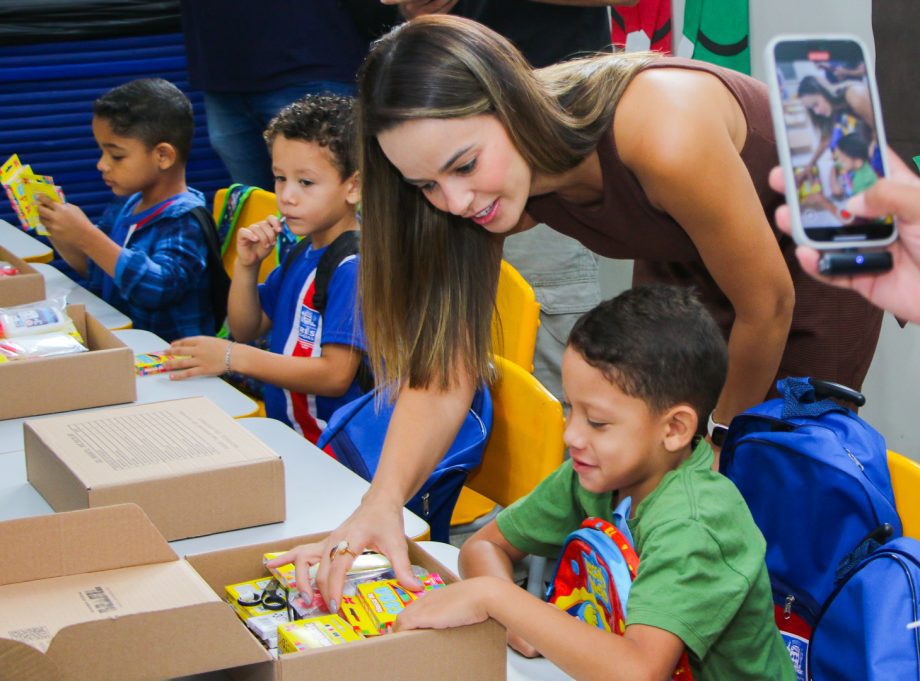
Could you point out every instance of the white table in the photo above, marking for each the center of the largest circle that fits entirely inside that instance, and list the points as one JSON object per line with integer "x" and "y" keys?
{"x": 59, "y": 285}
{"x": 22, "y": 245}
{"x": 153, "y": 388}
{"x": 320, "y": 492}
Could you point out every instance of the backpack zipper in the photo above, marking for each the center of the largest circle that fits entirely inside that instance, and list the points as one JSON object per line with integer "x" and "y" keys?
{"x": 787, "y": 608}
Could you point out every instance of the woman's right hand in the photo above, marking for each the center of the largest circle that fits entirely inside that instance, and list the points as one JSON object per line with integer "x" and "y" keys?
{"x": 377, "y": 524}
{"x": 255, "y": 243}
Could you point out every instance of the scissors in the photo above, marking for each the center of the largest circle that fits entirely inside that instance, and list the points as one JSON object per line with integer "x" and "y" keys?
{"x": 272, "y": 597}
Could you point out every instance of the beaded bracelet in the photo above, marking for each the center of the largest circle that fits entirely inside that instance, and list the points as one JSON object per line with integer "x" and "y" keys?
{"x": 227, "y": 355}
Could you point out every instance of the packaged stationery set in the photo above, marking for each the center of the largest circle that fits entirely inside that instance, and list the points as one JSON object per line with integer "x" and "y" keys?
{"x": 24, "y": 187}
{"x": 285, "y": 622}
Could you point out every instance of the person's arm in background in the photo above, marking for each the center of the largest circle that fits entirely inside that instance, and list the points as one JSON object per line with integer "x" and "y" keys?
{"x": 372, "y": 18}
{"x": 857, "y": 96}
{"x": 675, "y": 132}
{"x": 897, "y": 290}
{"x": 414, "y": 8}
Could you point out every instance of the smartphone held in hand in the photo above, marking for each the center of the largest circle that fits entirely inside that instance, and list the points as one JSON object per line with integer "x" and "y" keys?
{"x": 831, "y": 143}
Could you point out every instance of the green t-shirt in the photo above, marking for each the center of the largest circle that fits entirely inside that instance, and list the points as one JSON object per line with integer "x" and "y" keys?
{"x": 701, "y": 575}
{"x": 863, "y": 178}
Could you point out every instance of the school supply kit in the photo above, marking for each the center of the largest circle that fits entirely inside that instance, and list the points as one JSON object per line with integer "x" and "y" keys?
{"x": 37, "y": 330}
{"x": 845, "y": 583}
{"x": 285, "y": 622}
{"x": 24, "y": 187}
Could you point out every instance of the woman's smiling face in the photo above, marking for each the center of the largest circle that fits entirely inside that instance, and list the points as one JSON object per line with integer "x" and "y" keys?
{"x": 465, "y": 166}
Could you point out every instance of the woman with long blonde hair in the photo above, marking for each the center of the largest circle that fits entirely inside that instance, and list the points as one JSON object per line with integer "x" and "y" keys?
{"x": 663, "y": 160}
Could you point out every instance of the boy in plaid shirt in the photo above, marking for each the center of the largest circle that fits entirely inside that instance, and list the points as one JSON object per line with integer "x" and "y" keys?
{"x": 151, "y": 262}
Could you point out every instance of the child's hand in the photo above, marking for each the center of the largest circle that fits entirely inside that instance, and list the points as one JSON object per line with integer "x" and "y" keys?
{"x": 302, "y": 557}
{"x": 65, "y": 222}
{"x": 456, "y": 605}
{"x": 254, "y": 243}
{"x": 207, "y": 356}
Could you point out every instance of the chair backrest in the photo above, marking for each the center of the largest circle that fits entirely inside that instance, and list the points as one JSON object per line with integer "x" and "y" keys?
{"x": 905, "y": 481}
{"x": 516, "y": 318}
{"x": 526, "y": 440}
{"x": 258, "y": 206}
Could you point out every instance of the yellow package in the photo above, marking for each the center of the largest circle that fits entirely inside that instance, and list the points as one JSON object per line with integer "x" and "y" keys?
{"x": 316, "y": 632}
{"x": 385, "y": 599}
{"x": 245, "y": 597}
{"x": 358, "y": 617}
{"x": 284, "y": 573}
{"x": 24, "y": 187}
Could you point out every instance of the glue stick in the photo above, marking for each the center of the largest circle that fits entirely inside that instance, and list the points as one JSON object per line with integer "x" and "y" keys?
{"x": 26, "y": 321}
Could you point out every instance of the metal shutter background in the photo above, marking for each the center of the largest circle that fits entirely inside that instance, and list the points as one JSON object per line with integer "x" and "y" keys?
{"x": 46, "y": 97}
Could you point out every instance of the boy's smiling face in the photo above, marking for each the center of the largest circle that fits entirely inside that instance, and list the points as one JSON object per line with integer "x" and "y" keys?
{"x": 615, "y": 441}
{"x": 127, "y": 164}
{"x": 311, "y": 194}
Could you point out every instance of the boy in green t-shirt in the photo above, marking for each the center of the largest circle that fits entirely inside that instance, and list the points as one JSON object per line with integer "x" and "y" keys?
{"x": 640, "y": 373}
{"x": 851, "y": 156}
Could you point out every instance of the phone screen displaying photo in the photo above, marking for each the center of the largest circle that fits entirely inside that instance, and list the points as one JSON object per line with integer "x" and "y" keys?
{"x": 831, "y": 122}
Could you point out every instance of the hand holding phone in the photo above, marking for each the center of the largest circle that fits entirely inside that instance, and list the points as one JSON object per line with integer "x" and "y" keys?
{"x": 831, "y": 142}
{"x": 895, "y": 290}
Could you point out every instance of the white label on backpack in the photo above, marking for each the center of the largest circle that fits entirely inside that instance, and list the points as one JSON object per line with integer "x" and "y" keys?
{"x": 798, "y": 653}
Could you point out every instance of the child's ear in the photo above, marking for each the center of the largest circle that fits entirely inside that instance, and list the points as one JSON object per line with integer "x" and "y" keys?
{"x": 165, "y": 155}
{"x": 680, "y": 423}
{"x": 353, "y": 186}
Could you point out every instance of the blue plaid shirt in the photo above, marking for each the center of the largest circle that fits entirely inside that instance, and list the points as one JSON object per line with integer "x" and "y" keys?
{"x": 161, "y": 279}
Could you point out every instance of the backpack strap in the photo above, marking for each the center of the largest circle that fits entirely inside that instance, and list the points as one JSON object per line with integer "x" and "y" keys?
{"x": 346, "y": 244}
{"x": 217, "y": 276}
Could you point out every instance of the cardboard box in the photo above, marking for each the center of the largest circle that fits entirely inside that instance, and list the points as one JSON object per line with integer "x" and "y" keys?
{"x": 100, "y": 595}
{"x": 26, "y": 287}
{"x": 474, "y": 652}
{"x": 187, "y": 463}
{"x": 102, "y": 376}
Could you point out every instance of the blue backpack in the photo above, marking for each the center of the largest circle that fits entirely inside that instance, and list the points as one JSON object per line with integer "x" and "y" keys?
{"x": 816, "y": 479}
{"x": 862, "y": 633}
{"x": 355, "y": 434}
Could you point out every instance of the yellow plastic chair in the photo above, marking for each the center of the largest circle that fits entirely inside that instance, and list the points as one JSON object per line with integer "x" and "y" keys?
{"x": 514, "y": 337}
{"x": 516, "y": 318}
{"x": 525, "y": 444}
{"x": 905, "y": 480}
{"x": 258, "y": 206}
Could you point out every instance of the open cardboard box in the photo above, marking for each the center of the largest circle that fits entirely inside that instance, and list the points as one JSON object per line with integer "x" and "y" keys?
{"x": 474, "y": 652}
{"x": 102, "y": 376}
{"x": 25, "y": 287}
{"x": 100, "y": 595}
{"x": 191, "y": 467}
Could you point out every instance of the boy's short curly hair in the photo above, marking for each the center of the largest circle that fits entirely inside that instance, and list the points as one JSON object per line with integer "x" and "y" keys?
{"x": 656, "y": 343}
{"x": 152, "y": 110}
{"x": 855, "y": 146}
{"x": 327, "y": 120}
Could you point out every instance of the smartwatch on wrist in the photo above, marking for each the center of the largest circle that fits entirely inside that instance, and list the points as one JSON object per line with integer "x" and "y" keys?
{"x": 716, "y": 432}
